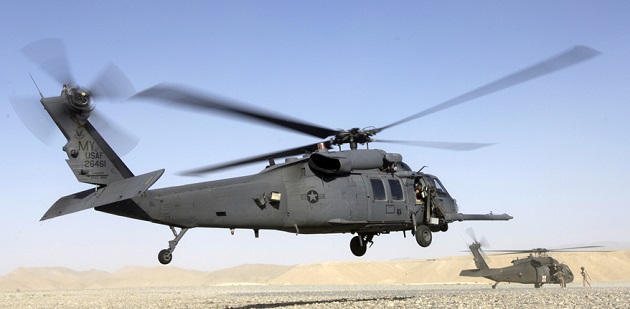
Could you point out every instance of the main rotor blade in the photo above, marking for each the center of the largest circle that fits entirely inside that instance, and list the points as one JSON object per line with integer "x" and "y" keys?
{"x": 438, "y": 145}
{"x": 566, "y": 59}
{"x": 573, "y": 248}
{"x": 543, "y": 250}
{"x": 176, "y": 94}
{"x": 508, "y": 251}
{"x": 51, "y": 56}
{"x": 280, "y": 154}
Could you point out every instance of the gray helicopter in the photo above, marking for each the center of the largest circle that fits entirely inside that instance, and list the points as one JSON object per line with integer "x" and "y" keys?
{"x": 316, "y": 190}
{"x": 538, "y": 268}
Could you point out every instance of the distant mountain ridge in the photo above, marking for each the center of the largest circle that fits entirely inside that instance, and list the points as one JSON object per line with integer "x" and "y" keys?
{"x": 602, "y": 266}
{"x": 61, "y": 278}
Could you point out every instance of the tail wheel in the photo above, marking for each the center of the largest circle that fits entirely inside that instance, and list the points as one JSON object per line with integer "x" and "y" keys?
{"x": 165, "y": 256}
{"x": 423, "y": 236}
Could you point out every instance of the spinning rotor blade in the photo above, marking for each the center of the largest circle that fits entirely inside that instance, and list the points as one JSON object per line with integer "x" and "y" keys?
{"x": 112, "y": 84}
{"x": 572, "y": 248}
{"x": 50, "y": 55}
{"x": 280, "y": 154}
{"x": 483, "y": 242}
{"x": 120, "y": 140}
{"x": 439, "y": 145}
{"x": 354, "y": 136}
{"x": 176, "y": 94}
{"x": 471, "y": 233}
{"x": 543, "y": 250}
{"x": 506, "y": 252}
{"x": 36, "y": 119}
{"x": 566, "y": 59}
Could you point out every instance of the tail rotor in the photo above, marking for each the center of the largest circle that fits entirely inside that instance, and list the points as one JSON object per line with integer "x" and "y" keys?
{"x": 482, "y": 243}
{"x": 111, "y": 84}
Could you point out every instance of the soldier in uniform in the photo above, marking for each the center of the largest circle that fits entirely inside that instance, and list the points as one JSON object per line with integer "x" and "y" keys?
{"x": 585, "y": 278}
{"x": 560, "y": 277}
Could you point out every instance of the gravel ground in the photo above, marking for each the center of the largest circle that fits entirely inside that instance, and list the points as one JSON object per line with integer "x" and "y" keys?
{"x": 373, "y": 296}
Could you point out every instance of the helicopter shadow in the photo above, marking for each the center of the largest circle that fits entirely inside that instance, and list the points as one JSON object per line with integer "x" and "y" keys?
{"x": 317, "y": 302}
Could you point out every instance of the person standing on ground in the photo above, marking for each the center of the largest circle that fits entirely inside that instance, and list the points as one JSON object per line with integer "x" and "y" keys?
{"x": 585, "y": 278}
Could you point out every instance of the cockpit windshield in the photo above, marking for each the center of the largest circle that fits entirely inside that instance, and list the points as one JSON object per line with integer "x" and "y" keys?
{"x": 439, "y": 188}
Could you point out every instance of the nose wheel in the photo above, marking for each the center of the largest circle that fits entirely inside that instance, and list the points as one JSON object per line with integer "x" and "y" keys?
{"x": 166, "y": 256}
{"x": 424, "y": 237}
{"x": 358, "y": 244}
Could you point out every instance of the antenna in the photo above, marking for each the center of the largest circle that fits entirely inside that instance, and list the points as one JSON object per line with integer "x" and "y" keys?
{"x": 40, "y": 93}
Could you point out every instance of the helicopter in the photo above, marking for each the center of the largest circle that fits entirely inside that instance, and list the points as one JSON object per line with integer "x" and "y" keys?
{"x": 537, "y": 268}
{"x": 362, "y": 191}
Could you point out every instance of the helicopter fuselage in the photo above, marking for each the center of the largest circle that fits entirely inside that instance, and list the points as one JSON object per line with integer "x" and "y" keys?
{"x": 294, "y": 197}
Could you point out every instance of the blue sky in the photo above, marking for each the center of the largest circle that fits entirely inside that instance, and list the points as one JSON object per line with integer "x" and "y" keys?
{"x": 559, "y": 165}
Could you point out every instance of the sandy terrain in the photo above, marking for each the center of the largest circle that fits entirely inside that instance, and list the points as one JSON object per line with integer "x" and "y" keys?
{"x": 346, "y": 296}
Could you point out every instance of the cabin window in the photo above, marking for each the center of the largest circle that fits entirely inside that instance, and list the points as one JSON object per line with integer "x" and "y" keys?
{"x": 378, "y": 189}
{"x": 396, "y": 189}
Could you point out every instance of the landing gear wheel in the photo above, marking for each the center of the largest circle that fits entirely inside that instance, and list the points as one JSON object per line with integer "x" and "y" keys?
{"x": 165, "y": 256}
{"x": 423, "y": 236}
{"x": 356, "y": 247}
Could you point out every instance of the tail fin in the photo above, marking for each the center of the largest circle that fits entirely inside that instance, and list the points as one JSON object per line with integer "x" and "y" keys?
{"x": 480, "y": 262}
{"x": 90, "y": 157}
{"x": 92, "y": 160}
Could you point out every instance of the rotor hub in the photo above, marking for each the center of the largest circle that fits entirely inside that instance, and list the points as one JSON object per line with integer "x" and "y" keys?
{"x": 80, "y": 98}
{"x": 354, "y": 136}
{"x": 80, "y": 102}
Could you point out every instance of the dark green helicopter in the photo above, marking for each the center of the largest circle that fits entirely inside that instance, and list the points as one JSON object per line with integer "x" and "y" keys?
{"x": 366, "y": 192}
{"x": 537, "y": 268}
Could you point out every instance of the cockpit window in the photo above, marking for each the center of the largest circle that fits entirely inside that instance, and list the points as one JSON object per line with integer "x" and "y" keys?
{"x": 378, "y": 189}
{"x": 439, "y": 188}
{"x": 396, "y": 189}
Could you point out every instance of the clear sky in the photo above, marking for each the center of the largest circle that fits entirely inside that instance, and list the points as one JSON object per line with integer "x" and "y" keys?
{"x": 559, "y": 166}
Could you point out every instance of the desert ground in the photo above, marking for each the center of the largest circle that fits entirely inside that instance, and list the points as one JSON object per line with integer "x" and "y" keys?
{"x": 433, "y": 283}
{"x": 328, "y": 296}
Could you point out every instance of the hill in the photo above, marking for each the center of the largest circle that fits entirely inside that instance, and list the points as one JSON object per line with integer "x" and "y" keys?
{"x": 603, "y": 267}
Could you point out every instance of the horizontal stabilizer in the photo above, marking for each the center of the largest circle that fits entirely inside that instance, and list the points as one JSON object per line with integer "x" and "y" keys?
{"x": 480, "y": 272}
{"x": 471, "y": 273}
{"x": 114, "y": 192}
